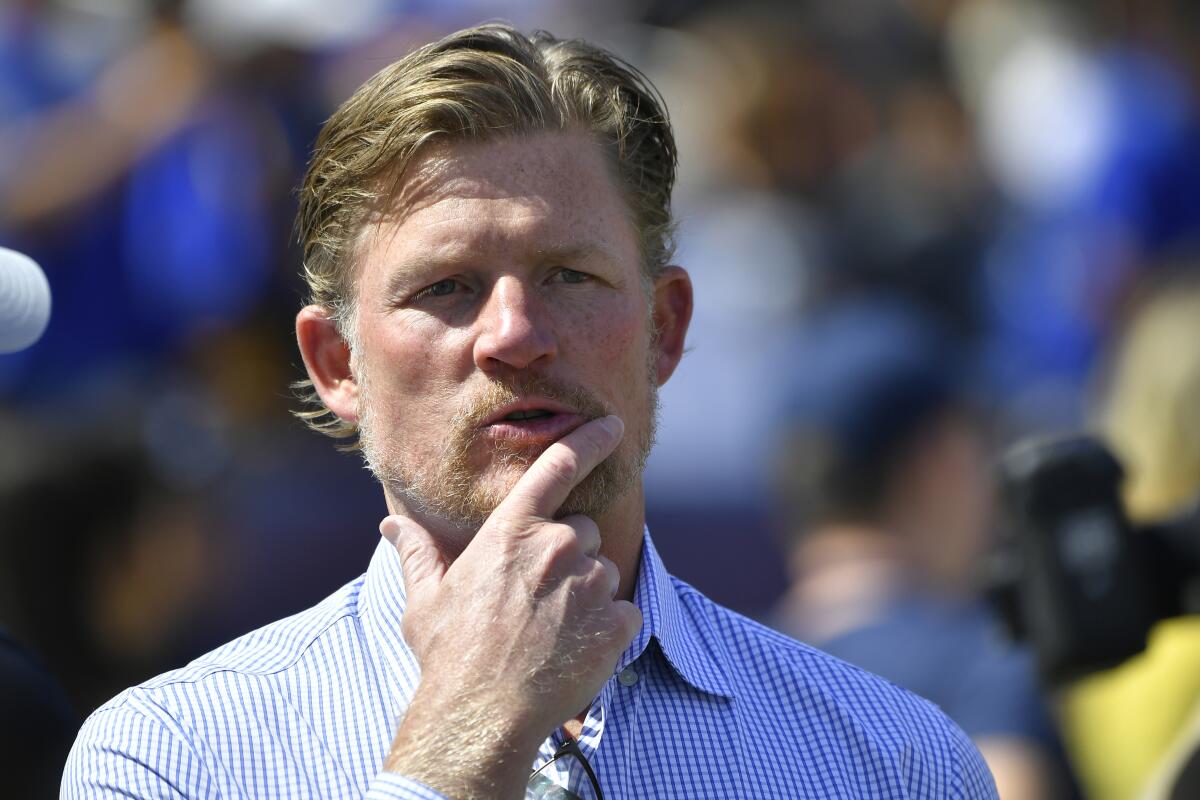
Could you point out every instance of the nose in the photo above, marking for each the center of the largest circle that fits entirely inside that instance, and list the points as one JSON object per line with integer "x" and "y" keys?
{"x": 514, "y": 329}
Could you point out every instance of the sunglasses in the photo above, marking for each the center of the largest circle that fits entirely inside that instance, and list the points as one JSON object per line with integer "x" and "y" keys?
{"x": 570, "y": 757}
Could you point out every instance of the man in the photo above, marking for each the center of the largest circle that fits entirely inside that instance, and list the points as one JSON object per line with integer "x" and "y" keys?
{"x": 486, "y": 227}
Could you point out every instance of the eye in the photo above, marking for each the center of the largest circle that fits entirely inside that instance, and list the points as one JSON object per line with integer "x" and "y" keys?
{"x": 442, "y": 288}
{"x": 572, "y": 276}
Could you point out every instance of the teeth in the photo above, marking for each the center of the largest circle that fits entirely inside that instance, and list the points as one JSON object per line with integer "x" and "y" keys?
{"x": 536, "y": 413}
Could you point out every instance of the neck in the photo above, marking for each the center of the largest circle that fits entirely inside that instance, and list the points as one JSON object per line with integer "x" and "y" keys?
{"x": 620, "y": 526}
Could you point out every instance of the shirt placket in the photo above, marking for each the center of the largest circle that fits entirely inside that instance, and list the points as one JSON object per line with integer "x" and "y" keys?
{"x": 568, "y": 772}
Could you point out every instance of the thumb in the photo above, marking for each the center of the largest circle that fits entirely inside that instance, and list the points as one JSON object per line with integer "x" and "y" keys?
{"x": 420, "y": 560}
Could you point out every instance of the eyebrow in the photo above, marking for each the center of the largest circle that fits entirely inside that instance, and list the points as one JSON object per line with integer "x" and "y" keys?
{"x": 400, "y": 279}
{"x": 578, "y": 252}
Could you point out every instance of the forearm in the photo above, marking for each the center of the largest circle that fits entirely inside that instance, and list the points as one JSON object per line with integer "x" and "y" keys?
{"x": 460, "y": 751}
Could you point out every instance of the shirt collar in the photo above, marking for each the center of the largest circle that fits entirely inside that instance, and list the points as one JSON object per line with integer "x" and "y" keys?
{"x": 381, "y": 607}
{"x": 667, "y": 620}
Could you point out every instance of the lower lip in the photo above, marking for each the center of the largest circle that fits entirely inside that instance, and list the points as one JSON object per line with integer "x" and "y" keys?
{"x": 540, "y": 430}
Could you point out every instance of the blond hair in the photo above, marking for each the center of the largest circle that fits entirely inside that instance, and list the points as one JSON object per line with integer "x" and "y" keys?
{"x": 478, "y": 84}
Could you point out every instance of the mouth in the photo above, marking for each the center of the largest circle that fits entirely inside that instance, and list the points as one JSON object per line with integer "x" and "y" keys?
{"x": 533, "y": 413}
{"x": 531, "y": 421}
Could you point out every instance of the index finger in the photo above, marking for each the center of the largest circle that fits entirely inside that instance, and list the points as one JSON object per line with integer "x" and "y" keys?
{"x": 558, "y": 470}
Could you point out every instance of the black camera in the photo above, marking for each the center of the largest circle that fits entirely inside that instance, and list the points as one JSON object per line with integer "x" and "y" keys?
{"x": 1070, "y": 575}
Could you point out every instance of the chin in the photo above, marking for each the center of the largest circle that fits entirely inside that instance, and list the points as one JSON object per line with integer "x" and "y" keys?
{"x": 499, "y": 483}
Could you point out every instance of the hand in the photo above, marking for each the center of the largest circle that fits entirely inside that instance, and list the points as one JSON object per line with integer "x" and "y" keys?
{"x": 517, "y": 635}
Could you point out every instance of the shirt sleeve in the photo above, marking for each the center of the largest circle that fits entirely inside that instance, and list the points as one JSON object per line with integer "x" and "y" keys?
{"x": 126, "y": 751}
{"x": 123, "y": 751}
{"x": 390, "y": 786}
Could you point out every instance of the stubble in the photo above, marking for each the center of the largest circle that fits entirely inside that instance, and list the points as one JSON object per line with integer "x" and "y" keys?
{"x": 459, "y": 489}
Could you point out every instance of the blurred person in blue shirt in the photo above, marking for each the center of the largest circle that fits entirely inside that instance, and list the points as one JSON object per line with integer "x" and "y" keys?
{"x": 885, "y": 480}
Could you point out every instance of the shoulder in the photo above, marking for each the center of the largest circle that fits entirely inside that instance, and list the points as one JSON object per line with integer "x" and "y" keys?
{"x": 759, "y": 660}
{"x": 310, "y": 643}
{"x": 838, "y": 707}
{"x": 280, "y": 646}
{"x": 173, "y": 726}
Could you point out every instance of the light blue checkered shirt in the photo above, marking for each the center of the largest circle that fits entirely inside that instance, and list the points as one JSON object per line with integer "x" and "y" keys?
{"x": 703, "y": 704}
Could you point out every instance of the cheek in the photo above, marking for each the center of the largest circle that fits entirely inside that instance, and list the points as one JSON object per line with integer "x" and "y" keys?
{"x": 614, "y": 350}
{"x": 413, "y": 378}
{"x": 415, "y": 353}
{"x": 613, "y": 341}
{"x": 614, "y": 322}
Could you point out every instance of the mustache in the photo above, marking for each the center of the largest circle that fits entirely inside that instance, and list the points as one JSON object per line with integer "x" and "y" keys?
{"x": 498, "y": 393}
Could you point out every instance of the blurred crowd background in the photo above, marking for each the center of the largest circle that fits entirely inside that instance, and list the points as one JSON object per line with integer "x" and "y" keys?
{"x": 919, "y": 230}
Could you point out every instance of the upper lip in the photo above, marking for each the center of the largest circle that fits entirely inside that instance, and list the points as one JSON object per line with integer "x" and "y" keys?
{"x": 528, "y": 404}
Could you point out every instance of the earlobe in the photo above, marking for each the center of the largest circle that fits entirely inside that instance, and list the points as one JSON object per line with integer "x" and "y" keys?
{"x": 672, "y": 315}
{"x": 327, "y": 359}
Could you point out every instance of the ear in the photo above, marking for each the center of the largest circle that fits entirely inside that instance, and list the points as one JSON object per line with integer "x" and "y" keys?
{"x": 672, "y": 315}
{"x": 327, "y": 359}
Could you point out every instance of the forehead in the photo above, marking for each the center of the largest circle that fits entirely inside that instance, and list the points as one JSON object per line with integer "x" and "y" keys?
{"x": 541, "y": 190}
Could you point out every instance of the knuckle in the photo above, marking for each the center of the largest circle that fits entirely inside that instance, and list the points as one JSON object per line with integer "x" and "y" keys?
{"x": 594, "y": 589}
{"x": 504, "y": 520}
{"x": 557, "y": 551}
{"x": 615, "y": 633}
{"x": 408, "y": 548}
{"x": 405, "y": 547}
{"x": 586, "y": 526}
{"x": 562, "y": 465}
{"x": 562, "y": 538}
{"x": 597, "y": 575}
{"x": 630, "y": 617}
{"x": 585, "y": 531}
{"x": 614, "y": 579}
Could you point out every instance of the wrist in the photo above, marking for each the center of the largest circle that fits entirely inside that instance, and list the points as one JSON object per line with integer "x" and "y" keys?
{"x": 460, "y": 750}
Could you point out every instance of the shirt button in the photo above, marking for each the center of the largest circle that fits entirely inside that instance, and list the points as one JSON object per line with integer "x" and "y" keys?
{"x": 627, "y": 676}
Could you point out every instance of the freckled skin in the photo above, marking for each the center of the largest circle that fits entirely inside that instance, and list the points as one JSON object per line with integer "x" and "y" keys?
{"x": 487, "y": 218}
